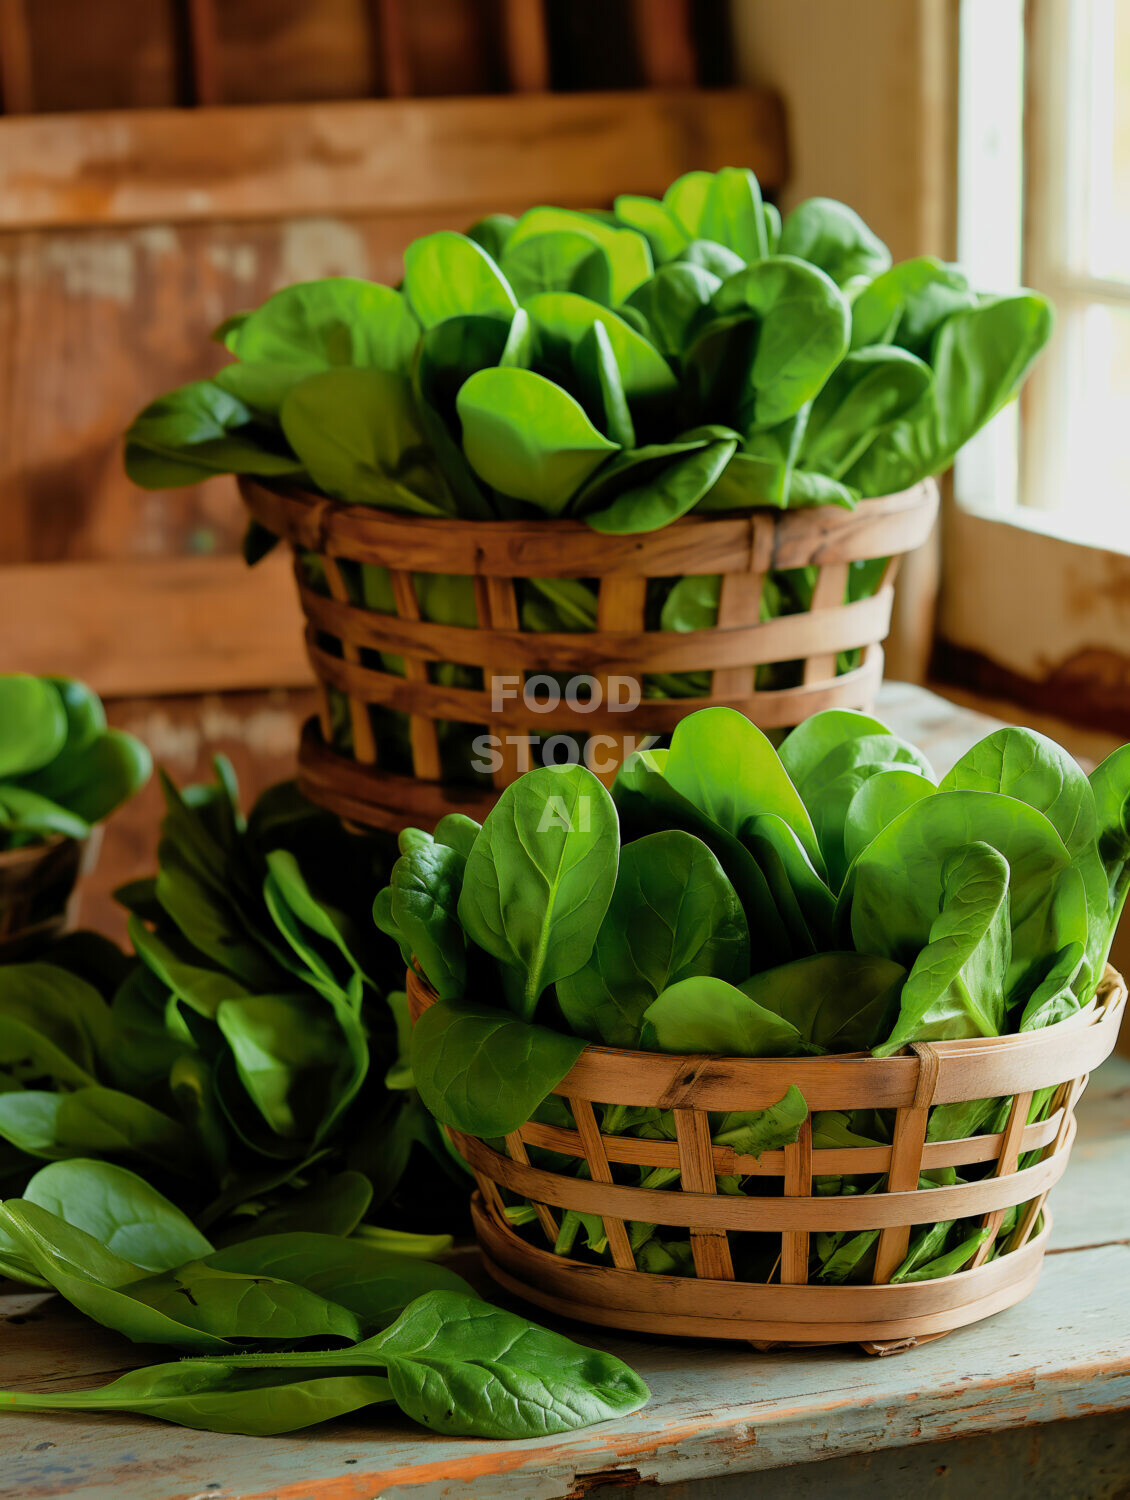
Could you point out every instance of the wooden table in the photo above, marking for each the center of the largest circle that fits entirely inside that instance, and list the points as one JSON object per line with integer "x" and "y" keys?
{"x": 1031, "y": 1404}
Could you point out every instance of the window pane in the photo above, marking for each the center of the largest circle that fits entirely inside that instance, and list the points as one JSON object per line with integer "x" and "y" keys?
{"x": 1108, "y": 254}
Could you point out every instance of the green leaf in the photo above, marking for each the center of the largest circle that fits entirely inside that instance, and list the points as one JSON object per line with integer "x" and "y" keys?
{"x": 663, "y": 231}
{"x": 33, "y": 724}
{"x": 832, "y": 236}
{"x": 540, "y": 875}
{"x": 26, "y": 812}
{"x": 425, "y": 895}
{"x": 627, "y": 252}
{"x": 341, "y": 320}
{"x": 1053, "y": 998}
{"x": 956, "y": 986}
{"x": 980, "y": 357}
{"x": 483, "y": 1070}
{"x": 733, "y": 214}
{"x": 53, "y": 1025}
{"x": 562, "y": 319}
{"x": 725, "y": 765}
{"x": 753, "y": 1132}
{"x": 96, "y": 776}
{"x": 528, "y": 438}
{"x": 373, "y": 1284}
{"x": 546, "y": 262}
{"x": 1110, "y": 783}
{"x": 492, "y": 233}
{"x": 879, "y": 801}
{"x": 804, "y": 747}
{"x": 599, "y": 374}
{"x": 673, "y": 914}
{"x": 840, "y": 1002}
{"x": 464, "y": 1368}
{"x": 953, "y": 1260}
{"x": 708, "y": 1015}
{"x": 120, "y": 1210}
{"x": 358, "y": 435}
{"x": 865, "y": 393}
{"x": 678, "y": 489}
{"x": 896, "y": 887}
{"x": 447, "y": 275}
{"x": 1024, "y": 764}
{"x": 214, "y": 1398}
{"x": 199, "y": 430}
{"x": 907, "y": 304}
{"x": 293, "y": 1059}
{"x": 686, "y": 199}
{"x": 336, "y": 1203}
{"x": 673, "y": 301}
{"x": 780, "y": 328}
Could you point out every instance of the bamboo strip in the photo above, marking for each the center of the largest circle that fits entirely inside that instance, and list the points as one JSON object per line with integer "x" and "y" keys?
{"x": 364, "y": 744}
{"x": 620, "y": 607}
{"x": 1006, "y": 1168}
{"x": 517, "y": 1148}
{"x": 829, "y": 593}
{"x": 496, "y": 605}
{"x": 710, "y": 1248}
{"x": 422, "y": 734}
{"x": 798, "y": 1184}
{"x": 599, "y": 1171}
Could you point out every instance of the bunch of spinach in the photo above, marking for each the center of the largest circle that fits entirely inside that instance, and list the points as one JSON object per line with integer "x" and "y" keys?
{"x": 370, "y": 1325}
{"x": 730, "y": 899}
{"x": 61, "y": 769}
{"x": 624, "y": 367}
{"x": 250, "y": 1061}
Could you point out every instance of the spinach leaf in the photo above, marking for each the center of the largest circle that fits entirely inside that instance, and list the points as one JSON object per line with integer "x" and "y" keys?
{"x": 213, "y": 1397}
{"x": 484, "y": 1070}
{"x": 725, "y": 766}
{"x": 627, "y": 253}
{"x": 673, "y": 914}
{"x": 780, "y": 328}
{"x": 121, "y": 1210}
{"x": 447, "y": 275}
{"x": 906, "y": 304}
{"x": 804, "y": 747}
{"x": 879, "y": 801}
{"x": 678, "y": 490}
{"x": 315, "y": 325}
{"x": 733, "y": 214}
{"x": 375, "y": 1285}
{"x": 896, "y": 887}
{"x": 358, "y": 434}
{"x": 833, "y": 236}
{"x": 540, "y": 876}
{"x": 956, "y": 985}
{"x": 840, "y": 1002}
{"x": 528, "y": 438}
{"x": 865, "y": 393}
{"x": 425, "y": 893}
{"x": 33, "y": 723}
{"x": 460, "y": 1366}
{"x": 1110, "y": 784}
{"x": 704, "y": 1014}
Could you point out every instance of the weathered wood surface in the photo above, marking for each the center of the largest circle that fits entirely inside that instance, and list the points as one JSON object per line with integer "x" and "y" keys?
{"x": 143, "y": 166}
{"x": 715, "y": 1411}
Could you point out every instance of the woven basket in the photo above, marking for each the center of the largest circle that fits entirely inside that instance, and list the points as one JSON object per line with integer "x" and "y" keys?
{"x": 36, "y": 886}
{"x": 713, "y": 1304}
{"x": 345, "y": 640}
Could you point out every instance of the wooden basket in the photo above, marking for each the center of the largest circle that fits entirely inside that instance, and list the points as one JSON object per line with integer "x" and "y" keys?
{"x": 713, "y": 1304}
{"x": 36, "y": 886}
{"x": 344, "y": 639}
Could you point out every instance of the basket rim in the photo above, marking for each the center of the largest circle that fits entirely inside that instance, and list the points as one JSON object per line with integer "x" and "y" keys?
{"x": 760, "y": 538}
{"x": 955, "y": 1071}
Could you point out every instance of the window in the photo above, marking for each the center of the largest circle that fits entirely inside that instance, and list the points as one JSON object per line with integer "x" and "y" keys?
{"x": 1035, "y": 596}
{"x": 1044, "y": 197}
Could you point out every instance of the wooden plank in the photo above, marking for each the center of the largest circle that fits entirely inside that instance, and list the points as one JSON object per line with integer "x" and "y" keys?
{"x": 159, "y": 625}
{"x": 16, "y": 89}
{"x": 526, "y": 45}
{"x": 150, "y": 166}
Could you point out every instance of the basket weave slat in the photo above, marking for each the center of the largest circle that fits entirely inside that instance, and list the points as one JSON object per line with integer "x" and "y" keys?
{"x": 787, "y": 1308}
{"x": 777, "y": 707}
{"x": 353, "y": 649}
{"x": 786, "y": 638}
